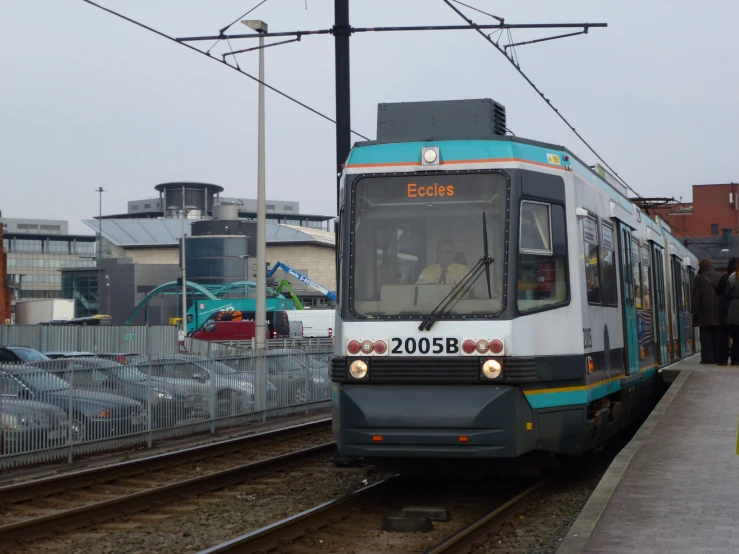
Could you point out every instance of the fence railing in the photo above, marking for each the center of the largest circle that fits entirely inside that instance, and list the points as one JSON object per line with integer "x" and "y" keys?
{"x": 133, "y": 339}
{"x": 70, "y": 406}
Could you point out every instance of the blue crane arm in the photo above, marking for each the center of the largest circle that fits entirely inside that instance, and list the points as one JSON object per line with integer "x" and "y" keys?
{"x": 302, "y": 278}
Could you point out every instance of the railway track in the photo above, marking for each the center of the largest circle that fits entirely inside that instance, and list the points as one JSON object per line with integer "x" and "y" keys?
{"x": 57, "y": 505}
{"x": 445, "y": 518}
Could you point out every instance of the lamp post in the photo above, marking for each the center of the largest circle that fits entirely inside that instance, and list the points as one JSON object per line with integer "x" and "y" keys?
{"x": 246, "y": 275}
{"x": 260, "y": 312}
{"x": 183, "y": 213}
{"x": 261, "y": 301}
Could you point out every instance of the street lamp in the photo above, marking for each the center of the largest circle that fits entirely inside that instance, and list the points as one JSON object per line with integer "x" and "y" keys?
{"x": 183, "y": 213}
{"x": 246, "y": 275}
{"x": 261, "y": 301}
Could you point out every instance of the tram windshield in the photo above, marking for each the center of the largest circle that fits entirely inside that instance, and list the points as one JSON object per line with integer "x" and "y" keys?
{"x": 416, "y": 236}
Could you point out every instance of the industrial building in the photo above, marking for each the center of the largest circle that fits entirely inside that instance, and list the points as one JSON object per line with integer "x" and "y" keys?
{"x": 141, "y": 250}
{"x": 206, "y": 197}
{"x": 36, "y": 251}
{"x": 708, "y": 224}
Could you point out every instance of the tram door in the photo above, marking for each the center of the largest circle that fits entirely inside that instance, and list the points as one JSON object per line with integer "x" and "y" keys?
{"x": 631, "y": 329}
{"x": 660, "y": 303}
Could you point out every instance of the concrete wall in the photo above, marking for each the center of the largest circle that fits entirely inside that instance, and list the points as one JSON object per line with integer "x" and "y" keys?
{"x": 127, "y": 285}
{"x": 316, "y": 262}
{"x": 170, "y": 255}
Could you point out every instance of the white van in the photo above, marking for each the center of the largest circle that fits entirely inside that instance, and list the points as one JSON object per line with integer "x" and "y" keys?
{"x": 316, "y": 323}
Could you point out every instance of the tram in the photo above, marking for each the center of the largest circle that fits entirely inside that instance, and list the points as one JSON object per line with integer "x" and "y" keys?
{"x": 496, "y": 295}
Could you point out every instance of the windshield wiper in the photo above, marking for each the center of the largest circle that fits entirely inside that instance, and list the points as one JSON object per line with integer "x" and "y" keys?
{"x": 485, "y": 252}
{"x": 471, "y": 276}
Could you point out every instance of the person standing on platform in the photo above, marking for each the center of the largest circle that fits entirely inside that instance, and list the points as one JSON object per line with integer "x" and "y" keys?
{"x": 732, "y": 318}
{"x": 723, "y": 328}
{"x": 705, "y": 310}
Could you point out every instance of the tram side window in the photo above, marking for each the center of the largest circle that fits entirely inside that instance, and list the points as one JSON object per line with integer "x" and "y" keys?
{"x": 592, "y": 267}
{"x": 645, "y": 279}
{"x": 635, "y": 260}
{"x": 542, "y": 258}
{"x": 609, "y": 281}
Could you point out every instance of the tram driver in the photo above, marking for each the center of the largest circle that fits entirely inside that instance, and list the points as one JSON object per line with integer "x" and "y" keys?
{"x": 445, "y": 270}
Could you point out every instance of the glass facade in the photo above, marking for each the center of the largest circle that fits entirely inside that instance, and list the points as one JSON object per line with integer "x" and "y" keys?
{"x": 216, "y": 260}
{"x": 82, "y": 287}
{"x": 35, "y": 263}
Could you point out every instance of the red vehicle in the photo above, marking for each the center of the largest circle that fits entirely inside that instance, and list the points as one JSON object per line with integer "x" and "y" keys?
{"x": 227, "y": 330}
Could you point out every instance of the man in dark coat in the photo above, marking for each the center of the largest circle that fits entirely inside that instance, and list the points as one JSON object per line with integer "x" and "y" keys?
{"x": 723, "y": 329}
{"x": 706, "y": 310}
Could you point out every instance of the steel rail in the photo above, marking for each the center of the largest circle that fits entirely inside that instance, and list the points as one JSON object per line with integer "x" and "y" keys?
{"x": 27, "y": 490}
{"x": 463, "y": 539}
{"x": 83, "y": 516}
{"x": 292, "y": 528}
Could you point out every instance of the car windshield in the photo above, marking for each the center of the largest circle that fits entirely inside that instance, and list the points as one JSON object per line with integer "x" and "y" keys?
{"x": 29, "y": 355}
{"x": 417, "y": 236}
{"x": 42, "y": 381}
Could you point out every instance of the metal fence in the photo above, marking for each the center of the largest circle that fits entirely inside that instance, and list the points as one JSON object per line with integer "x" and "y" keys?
{"x": 132, "y": 339}
{"x": 70, "y": 406}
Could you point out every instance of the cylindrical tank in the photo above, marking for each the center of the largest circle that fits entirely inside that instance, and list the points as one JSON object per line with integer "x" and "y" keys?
{"x": 216, "y": 259}
{"x": 199, "y": 196}
{"x": 226, "y": 210}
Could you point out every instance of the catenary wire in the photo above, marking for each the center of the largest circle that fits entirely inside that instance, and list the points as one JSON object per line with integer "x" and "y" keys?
{"x": 502, "y": 20}
{"x": 163, "y": 35}
{"x": 227, "y": 27}
{"x": 234, "y": 21}
{"x": 531, "y": 83}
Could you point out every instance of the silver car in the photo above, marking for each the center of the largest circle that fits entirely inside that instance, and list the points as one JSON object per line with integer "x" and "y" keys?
{"x": 231, "y": 390}
{"x": 29, "y": 425}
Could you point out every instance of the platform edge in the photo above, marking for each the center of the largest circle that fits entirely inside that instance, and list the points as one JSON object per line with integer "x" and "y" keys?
{"x": 579, "y": 534}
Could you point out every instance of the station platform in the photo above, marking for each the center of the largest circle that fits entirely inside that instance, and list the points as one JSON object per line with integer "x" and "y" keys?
{"x": 675, "y": 487}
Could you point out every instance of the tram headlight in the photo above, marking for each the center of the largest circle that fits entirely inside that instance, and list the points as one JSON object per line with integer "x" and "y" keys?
{"x": 358, "y": 369}
{"x": 492, "y": 369}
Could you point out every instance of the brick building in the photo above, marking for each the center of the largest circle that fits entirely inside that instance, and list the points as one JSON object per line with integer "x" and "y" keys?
{"x": 4, "y": 289}
{"x": 709, "y": 225}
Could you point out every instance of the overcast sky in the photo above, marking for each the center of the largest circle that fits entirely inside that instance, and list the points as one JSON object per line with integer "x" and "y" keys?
{"x": 88, "y": 99}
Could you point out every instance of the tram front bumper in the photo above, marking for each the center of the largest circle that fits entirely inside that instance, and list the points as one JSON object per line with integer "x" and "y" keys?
{"x": 437, "y": 421}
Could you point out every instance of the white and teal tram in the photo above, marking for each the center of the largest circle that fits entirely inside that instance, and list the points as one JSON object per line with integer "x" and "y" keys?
{"x": 496, "y": 297}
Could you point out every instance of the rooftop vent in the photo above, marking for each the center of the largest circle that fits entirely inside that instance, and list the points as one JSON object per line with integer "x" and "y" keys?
{"x": 443, "y": 119}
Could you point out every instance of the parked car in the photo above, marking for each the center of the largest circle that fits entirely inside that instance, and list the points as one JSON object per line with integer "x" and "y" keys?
{"x": 169, "y": 403}
{"x": 233, "y": 390}
{"x": 94, "y": 414}
{"x": 59, "y": 354}
{"x": 21, "y": 354}
{"x": 28, "y": 425}
{"x": 297, "y": 376}
{"x": 121, "y": 357}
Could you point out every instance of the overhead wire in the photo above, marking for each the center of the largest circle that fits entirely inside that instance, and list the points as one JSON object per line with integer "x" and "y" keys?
{"x": 539, "y": 92}
{"x": 223, "y": 62}
{"x": 227, "y": 27}
{"x": 702, "y": 244}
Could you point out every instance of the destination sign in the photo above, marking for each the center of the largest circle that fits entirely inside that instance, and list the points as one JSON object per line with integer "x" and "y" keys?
{"x": 455, "y": 188}
{"x": 419, "y": 191}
